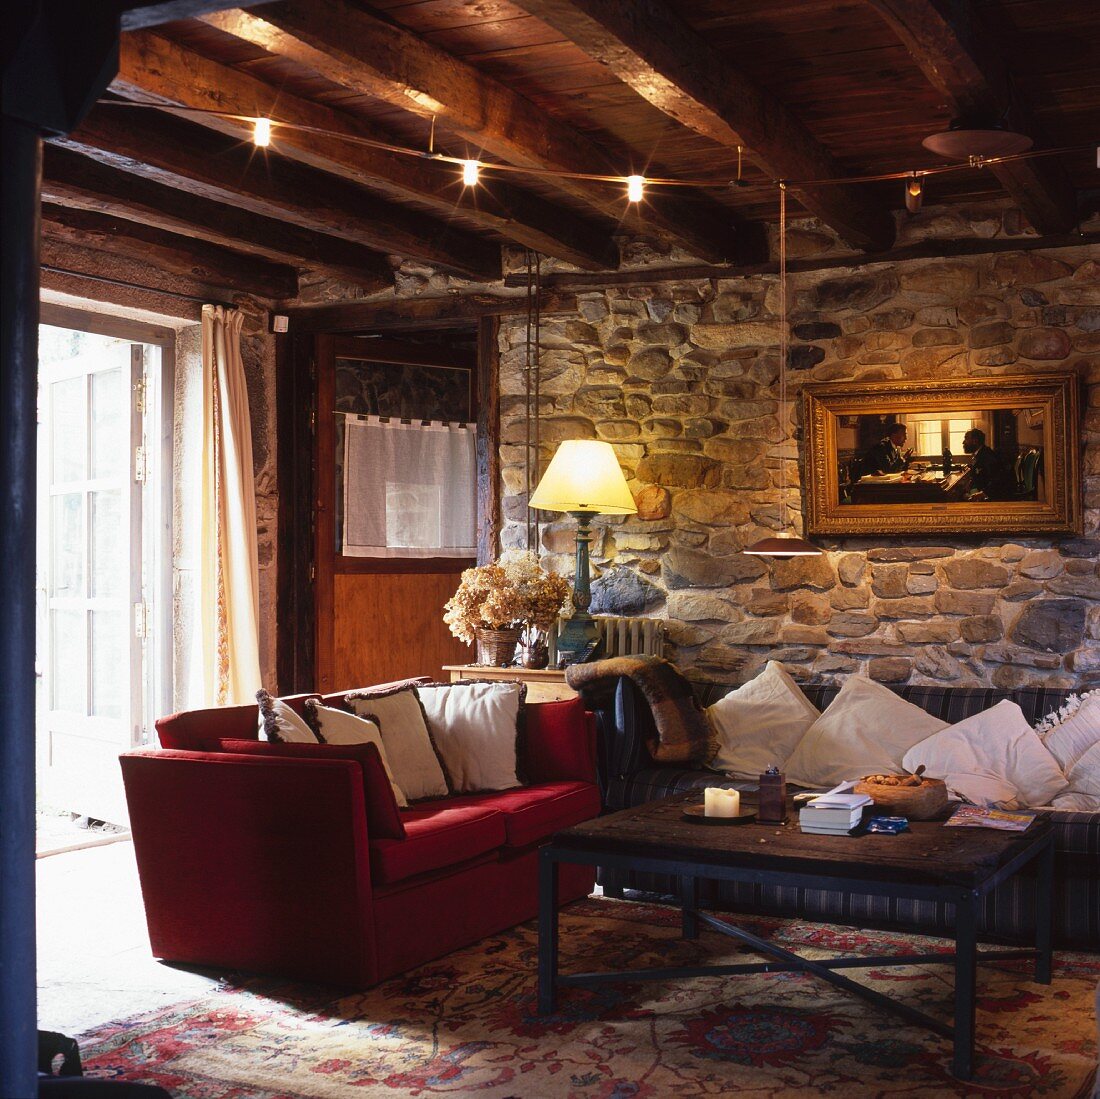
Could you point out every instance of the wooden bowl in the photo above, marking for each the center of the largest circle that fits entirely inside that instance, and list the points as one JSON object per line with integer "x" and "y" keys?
{"x": 921, "y": 802}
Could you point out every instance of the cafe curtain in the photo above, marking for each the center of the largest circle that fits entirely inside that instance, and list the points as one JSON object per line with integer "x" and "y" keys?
{"x": 409, "y": 489}
{"x": 229, "y": 572}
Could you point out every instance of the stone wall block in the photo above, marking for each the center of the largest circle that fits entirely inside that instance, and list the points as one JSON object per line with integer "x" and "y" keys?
{"x": 889, "y": 581}
{"x": 689, "y": 568}
{"x": 1041, "y": 564}
{"x": 890, "y": 669}
{"x": 802, "y": 572}
{"x": 971, "y": 572}
{"x": 1051, "y": 625}
{"x": 852, "y": 624}
{"x": 982, "y": 627}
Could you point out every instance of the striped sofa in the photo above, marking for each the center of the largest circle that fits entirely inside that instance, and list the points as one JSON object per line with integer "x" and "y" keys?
{"x": 628, "y": 776}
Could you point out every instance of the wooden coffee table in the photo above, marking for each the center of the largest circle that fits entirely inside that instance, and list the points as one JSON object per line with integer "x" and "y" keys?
{"x": 929, "y": 862}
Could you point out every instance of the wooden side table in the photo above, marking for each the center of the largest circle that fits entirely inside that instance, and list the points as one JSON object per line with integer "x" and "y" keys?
{"x": 545, "y": 685}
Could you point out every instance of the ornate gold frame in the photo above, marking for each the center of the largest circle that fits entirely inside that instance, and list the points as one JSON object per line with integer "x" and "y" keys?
{"x": 1056, "y": 394}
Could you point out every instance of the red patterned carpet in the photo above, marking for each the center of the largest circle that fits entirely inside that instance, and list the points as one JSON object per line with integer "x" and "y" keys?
{"x": 467, "y": 1025}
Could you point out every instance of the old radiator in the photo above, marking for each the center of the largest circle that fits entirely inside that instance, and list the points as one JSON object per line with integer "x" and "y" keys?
{"x": 622, "y": 637}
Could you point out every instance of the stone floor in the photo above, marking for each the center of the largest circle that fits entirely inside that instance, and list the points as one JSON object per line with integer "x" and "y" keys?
{"x": 94, "y": 962}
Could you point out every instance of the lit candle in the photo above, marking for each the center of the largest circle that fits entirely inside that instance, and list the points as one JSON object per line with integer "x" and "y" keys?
{"x": 720, "y": 802}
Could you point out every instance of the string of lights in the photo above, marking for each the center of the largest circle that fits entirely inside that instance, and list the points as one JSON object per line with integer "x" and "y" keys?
{"x": 265, "y": 130}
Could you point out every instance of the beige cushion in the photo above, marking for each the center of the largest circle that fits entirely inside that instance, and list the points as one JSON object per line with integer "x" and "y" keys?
{"x": 994, "y": 750}
{"x": 400, "y": 720}
{"x": 1075, "y": 744}
{"x": 474, "y": 727}
{"x": 864, "y": 731}
{"x": 340, "y": 727}
{"x": 280, "y": 724}
{"x": 760, "y": 723}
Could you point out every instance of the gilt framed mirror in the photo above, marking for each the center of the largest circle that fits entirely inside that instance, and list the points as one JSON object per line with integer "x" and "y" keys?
{"x": 996, "y": 455}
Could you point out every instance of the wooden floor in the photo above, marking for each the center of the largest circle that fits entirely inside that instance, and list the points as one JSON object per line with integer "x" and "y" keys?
{"x": 94, "y": 962}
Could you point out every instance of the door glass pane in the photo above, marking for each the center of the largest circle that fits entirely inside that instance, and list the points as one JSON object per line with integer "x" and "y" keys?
{"x": 69, "y": 668}
{"x": 67, "y": 545}
{"x": 109, "y": 424}
{"x": 69, "y": 443}
{"x": 110, "y": 663}
{"x": 109, "y": 558}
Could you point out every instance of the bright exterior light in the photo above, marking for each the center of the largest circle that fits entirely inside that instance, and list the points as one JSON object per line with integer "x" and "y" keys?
{"x": 470, "y": 172}
{"x": 261, "y": 134}
{"x": 584, "y": 475}
{"x": 634, "y": 188}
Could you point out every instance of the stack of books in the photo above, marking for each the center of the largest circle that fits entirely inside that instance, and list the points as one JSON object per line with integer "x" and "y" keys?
{"x": 833, "y": 814}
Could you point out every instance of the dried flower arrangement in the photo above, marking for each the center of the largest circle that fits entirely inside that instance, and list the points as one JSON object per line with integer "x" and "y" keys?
{"x": 515, "y": 591}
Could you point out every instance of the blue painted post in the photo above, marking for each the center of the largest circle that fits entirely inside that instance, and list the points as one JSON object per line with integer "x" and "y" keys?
{"x": 18, "y": 403}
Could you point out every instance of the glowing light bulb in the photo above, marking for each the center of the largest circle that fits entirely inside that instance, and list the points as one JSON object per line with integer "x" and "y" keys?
{"x": 261, "y": 134}
{"x": 470, "y": 172}
{"x": 914, "y": 193}
{"x": 634, "y": 188}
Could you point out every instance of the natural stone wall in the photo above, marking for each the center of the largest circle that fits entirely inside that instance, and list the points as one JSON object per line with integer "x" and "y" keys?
{"x": 682, "y": 377}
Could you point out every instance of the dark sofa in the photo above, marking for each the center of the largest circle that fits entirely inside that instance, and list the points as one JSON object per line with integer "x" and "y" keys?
{"x": 629, "y": 776}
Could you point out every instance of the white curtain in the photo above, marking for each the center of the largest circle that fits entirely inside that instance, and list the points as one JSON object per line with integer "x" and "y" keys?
{"x": 409, "y": 489}
{"x": 229, "y": 573}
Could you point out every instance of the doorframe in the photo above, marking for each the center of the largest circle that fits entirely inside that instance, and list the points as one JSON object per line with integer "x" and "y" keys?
{"x": 300, "y": 598}
{"x": 161, "y": 530}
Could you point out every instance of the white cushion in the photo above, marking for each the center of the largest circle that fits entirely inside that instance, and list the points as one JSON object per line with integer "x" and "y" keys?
{"x": 1075, "y": 744}
{"x": 280, "y": 724}
{"x": 996, "y": 744}
{"x": 760, "y": 723}
{"x": 474, "y": 728}
{"x": 340, "y": 727}
{"x": 864, "y": 731}
{"x": 409, "y": 750}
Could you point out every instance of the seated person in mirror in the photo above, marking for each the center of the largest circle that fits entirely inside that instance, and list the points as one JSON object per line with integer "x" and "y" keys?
{"x": 990, "y": 477}
{"x": 886, "y": 456}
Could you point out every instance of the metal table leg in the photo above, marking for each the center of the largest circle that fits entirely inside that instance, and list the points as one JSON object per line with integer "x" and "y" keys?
{"x": 1044, "y": 914}
{"x": 689, "y": 907}
{"x": 966, "y": 969}
{"x": 548, "y": 931}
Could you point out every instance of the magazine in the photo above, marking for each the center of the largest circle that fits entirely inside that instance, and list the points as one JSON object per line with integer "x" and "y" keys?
{"x": 974, "y": 816}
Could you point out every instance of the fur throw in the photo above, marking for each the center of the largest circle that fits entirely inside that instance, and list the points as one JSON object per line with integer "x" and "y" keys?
{"x": 683, "y": 733}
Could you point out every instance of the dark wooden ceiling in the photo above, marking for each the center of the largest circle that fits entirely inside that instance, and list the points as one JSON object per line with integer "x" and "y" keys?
{"x": 812, "y": 89}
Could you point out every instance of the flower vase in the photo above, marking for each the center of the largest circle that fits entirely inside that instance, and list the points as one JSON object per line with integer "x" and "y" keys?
{"x": 496, "y": 648}
{"x": 536, "y": 653}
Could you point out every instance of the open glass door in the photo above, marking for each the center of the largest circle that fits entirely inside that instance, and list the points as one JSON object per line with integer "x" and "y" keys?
{"x": 96, "y": 576}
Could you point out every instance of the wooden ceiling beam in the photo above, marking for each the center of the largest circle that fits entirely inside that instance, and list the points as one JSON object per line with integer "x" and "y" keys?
{"x": 364, "y": 53}
{"x": 152, "y": 67}
{"x": 135, "y": 16}
{"x": 171, "y": 252}
{"x": 154, "y": 145}
{"x": 79, "y": 182}
{"x": 423, "y": 314}
{"x": 657, "y": 54}
{"x": 87, "y": 272}
{"x": 961, "y": 62}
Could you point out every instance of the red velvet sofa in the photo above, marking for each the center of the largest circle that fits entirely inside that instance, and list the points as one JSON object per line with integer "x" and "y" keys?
{"x": 267, "y": 861}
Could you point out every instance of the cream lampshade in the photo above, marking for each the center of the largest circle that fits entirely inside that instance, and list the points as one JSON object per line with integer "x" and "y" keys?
{"x": 584, "y": 478}
{"x": 584, "y": 475}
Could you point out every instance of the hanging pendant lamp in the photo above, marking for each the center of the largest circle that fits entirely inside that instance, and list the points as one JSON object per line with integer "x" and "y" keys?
{"x": 788, "y": 544}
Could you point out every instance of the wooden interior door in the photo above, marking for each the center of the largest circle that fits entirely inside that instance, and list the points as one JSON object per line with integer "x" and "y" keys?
{"x": 378, "y": 619}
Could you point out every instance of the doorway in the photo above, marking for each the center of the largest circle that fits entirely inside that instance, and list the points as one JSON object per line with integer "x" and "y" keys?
{"x": 103, "y": 558}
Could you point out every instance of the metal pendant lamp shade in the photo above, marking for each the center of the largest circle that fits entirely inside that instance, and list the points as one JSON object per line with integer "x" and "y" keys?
{"x": 783, "y": 545}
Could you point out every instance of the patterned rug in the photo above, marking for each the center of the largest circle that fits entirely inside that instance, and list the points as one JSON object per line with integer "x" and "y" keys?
{"x": 467, "y": 1025}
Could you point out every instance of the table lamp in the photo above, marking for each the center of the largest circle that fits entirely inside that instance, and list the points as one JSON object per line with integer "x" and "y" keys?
{"x": 583, "y": 479}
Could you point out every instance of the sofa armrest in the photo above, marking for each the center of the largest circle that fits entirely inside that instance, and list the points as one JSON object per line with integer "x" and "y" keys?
{"x": 254, "y": 863}
{"x": 559, "y": 743}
